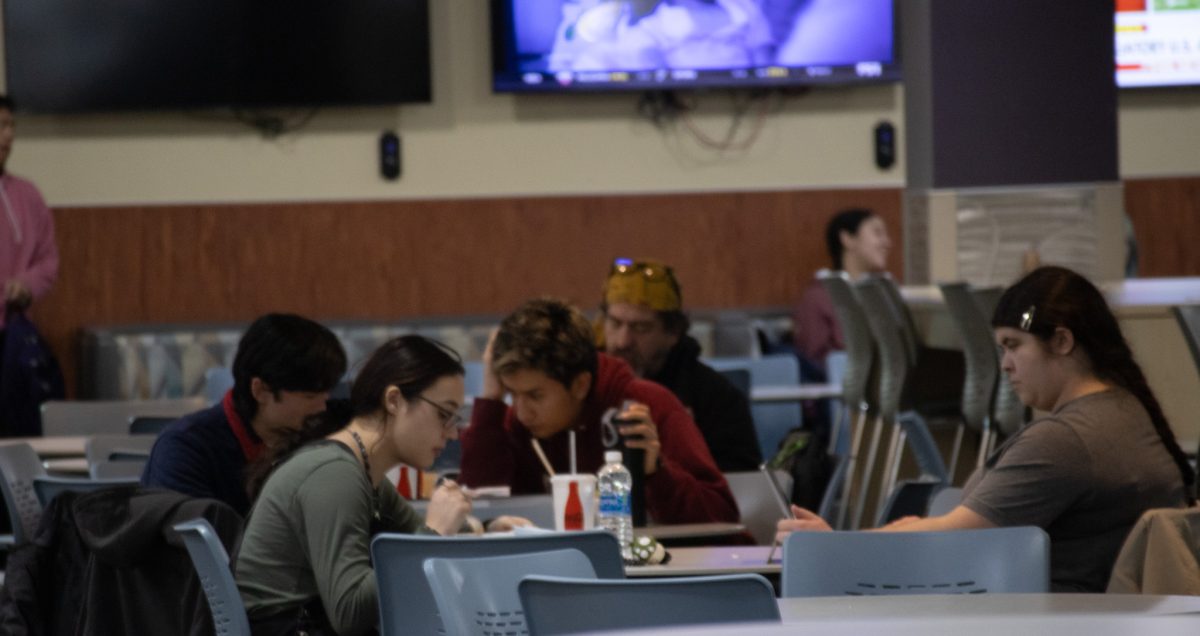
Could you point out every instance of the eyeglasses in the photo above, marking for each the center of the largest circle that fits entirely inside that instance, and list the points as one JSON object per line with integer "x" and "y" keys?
{"x": 450, "y": 419}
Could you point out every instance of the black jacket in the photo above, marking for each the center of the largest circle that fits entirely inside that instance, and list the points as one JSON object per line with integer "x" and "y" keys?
{"x": 721, "y": 411}
{"x": 109, "y": 562}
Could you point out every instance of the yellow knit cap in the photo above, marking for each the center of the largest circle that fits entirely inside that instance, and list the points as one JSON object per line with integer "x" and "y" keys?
{"x": 642, "y": 282}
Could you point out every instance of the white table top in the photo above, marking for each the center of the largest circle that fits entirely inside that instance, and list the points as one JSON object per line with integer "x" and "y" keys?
{"x": 1129, "y": 293}
{"x": 975, "y": 614}
{"x": 794, "y": 392}
{"x": 699, "y": 561}
{"x": 830, "y": 607}
{"x": 64, "y": 446}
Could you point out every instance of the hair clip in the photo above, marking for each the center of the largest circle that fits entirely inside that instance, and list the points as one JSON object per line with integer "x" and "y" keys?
{"x": 1027, "y": 318}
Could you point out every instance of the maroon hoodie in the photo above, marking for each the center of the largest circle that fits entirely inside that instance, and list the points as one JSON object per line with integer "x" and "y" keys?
{"x": 686, "y": 488}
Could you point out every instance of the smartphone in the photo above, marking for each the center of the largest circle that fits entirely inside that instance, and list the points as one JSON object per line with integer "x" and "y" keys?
{"x": 781, "y": 497}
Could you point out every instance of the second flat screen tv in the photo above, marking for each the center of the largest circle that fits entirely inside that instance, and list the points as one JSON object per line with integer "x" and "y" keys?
{"x": 598, "y": 45}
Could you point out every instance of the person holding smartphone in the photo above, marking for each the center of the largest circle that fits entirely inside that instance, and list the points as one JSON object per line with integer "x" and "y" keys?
{"x": 543, "y": 355}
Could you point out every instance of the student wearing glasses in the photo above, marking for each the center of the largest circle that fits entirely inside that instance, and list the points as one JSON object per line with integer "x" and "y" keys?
{"x": 544, "y": 356}
{"x": 304, "y": 564}
{"x": 1101, "y": 456}
{"x": 643, "y": 323}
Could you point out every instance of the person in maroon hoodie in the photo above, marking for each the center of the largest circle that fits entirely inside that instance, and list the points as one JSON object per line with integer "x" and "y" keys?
{"x": 544, "y": 356}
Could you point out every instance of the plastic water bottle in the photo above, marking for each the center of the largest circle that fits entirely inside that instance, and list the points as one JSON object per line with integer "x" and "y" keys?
{"x": 614, "y": 483}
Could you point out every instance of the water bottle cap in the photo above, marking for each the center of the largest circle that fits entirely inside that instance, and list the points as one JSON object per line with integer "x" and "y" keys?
{"x": 612, "y": 457}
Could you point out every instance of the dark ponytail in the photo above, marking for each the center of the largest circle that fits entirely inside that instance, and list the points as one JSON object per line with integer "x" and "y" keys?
{"x": 409, "y": 363}
{"x": 1052, "y": 297}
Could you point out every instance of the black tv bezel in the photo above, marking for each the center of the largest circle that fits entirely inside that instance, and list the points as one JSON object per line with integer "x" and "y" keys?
{"x": 229, "y": 99}
{"x": 501, "y": 25}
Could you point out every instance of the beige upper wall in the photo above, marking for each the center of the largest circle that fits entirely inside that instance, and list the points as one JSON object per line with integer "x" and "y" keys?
{"x": 469, "y": 142}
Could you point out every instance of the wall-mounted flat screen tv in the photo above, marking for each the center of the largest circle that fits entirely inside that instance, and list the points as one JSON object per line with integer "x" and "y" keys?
{"x": 120, "y": 55}
{"x": 1158, "y": 43}
{"x": 602, "y": 45}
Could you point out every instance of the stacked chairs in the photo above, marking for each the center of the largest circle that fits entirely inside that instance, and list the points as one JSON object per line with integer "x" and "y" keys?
{"x": 557, "y": 605}
{"x": 856, "y": 380}
{"x": 983, "y": 365}
{"x": 908, "y": 429}
{"x": 1012, "y": 560}
{"x": 406, "y": 603}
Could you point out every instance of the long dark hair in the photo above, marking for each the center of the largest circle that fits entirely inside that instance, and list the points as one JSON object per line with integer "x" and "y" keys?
{"x": 409, "y": 363}
{"x": 1052, "y": 297}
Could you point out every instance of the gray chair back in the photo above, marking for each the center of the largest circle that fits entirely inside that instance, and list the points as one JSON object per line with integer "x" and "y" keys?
{"x": 979, "y": 348}
{"x": 212, "y": 566}
{"x": 1015, "y": 559}
{"x": 19, "y": 466}
{"x": 47, "y": 487}
{"x": 856, "y": 333}
{"x": 120, "y": 469}
{"x": 894, "y": 361}
{"x": 477, "y": 596}
{"x": 100, "y": 417}
{"x": 406, "y": 603}
{"x": 559, "y": 605}
{"x": 118, "y": 447}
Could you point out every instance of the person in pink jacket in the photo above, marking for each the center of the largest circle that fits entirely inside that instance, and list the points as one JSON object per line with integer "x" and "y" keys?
{"x": 28, "y": 256}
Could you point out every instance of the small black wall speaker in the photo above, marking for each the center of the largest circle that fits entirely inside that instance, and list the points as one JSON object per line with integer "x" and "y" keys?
{"x": 885, "y": 145}
{"x": 389, "y": 155}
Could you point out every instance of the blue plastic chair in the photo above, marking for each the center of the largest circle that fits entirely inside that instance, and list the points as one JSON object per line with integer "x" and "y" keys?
{"x": 557, "y": 605}
{"x": 212, "y": 566}
{"x": 217, "y": 380}
{"x": 477, "y": 596}
{"x": 771, "y": 421}
{"x": 406, "y": 604}
{"x": 1013, "y": 559}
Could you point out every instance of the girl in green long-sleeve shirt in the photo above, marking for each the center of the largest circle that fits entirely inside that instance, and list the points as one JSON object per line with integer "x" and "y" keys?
{"x": 304, "y": 563}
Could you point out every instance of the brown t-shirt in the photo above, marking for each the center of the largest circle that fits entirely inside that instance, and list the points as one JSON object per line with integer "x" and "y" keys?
{"x": 1084, "y": 473}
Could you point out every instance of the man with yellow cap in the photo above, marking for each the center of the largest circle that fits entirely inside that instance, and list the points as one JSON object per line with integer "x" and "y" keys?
{"x": 643, "y": 323}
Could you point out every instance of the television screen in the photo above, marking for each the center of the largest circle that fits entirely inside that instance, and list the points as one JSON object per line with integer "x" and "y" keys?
{"x": 117, "y": 55}
{"x": 568, "y": 45}
{"x": 1158, "y": 43}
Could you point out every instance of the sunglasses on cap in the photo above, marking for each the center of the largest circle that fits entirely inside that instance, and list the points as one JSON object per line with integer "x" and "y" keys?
{"x": 646, "y": 269}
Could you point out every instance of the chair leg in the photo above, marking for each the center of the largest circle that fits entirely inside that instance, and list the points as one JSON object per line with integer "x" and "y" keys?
{"x": 856, "y": 435}
{"x": 985, "y": 443}
{"x": 885, "y": 474}
{"x": 954, "y": 451}
{"x": 868, "y": 469}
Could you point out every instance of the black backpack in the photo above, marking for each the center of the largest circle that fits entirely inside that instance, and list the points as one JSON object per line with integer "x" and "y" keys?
{"x": 806, "y": 457}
